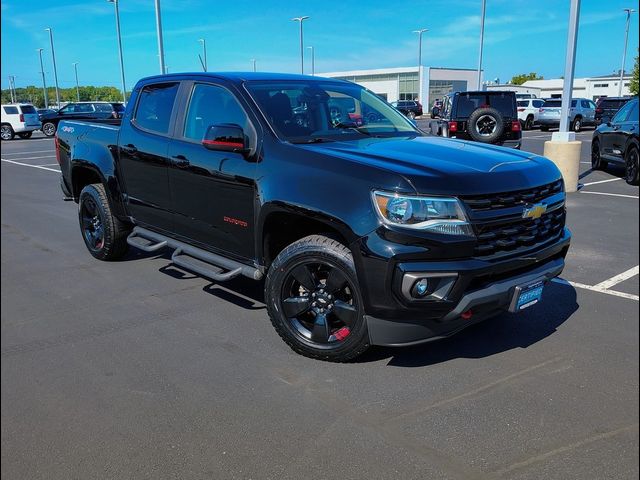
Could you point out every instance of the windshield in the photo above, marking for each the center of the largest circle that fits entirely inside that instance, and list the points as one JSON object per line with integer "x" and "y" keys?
{"x": 313, "y": 111}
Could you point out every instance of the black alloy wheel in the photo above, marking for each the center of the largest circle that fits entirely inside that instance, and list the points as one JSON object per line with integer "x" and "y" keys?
{"x": 318, "y": 302}
{"x": 314, "y": 302}
{"x": 91, "y": 220}
{"x": 631, "y": 164}
{"x": 528, "y": 123}
{"x": 596, "y": 160}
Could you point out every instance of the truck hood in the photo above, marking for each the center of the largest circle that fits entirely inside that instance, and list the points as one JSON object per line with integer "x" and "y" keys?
{"x": 439, "y": 165}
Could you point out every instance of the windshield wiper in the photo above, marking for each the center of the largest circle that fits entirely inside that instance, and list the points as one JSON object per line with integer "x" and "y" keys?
{"x": 352, "y": 126}
{"x": 314, "y": 140}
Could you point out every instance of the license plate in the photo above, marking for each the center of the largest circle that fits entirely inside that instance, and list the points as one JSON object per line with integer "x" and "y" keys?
{"x": 526, "y": 296}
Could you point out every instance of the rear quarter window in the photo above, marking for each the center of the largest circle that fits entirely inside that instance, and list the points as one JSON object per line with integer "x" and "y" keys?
{"x": 11, "y": 110}
{"x": 155, "y": 105}
{"x": 28, "y": 109}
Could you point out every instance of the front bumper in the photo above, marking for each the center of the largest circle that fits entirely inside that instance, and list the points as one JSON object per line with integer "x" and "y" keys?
{"x": 484, "y": 287}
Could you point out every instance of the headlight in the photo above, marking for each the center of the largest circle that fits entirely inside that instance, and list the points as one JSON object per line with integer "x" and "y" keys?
{"x": 437, "y": 214}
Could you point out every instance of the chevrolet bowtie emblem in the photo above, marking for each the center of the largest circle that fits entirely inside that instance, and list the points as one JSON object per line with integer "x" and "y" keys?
{"x": 534, "y": 211}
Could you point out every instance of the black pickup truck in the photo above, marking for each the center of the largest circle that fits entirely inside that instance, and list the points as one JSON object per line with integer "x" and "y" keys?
{"x": 366, "y": 231}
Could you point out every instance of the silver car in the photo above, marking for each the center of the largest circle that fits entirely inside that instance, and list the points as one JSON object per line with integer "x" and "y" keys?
{"x": 582, "y": 112}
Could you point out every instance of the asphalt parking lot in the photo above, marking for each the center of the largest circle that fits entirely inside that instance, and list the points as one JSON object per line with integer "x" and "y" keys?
{"x": 136, "y": 369}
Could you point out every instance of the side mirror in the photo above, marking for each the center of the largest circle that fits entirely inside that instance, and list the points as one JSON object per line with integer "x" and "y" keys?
{"x": 225, "y": 137}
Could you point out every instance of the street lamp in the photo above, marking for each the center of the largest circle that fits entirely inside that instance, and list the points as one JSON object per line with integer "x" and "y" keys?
{"x": 301, "y": 19}
{"x": 204, "y": 53}
{"x": 55, "y": 70}
{"x": 420, "y": 32}
{"x": 159, "y": 32}
{"x": 44, "y": 84}
{"x": 253, "y": 61}
{"x": 484, "y": 9}
{"x": 12, "y": 88}
{"x": 117, "y": 11}
{"x": 75, "y": 68}
{"x": 624, "y": 54}
{"x": 313, "y": 60}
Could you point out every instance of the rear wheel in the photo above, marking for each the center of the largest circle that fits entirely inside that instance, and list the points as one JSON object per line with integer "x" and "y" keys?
{"x": 631, "y": 163}
{"x": 25, "y": 135}
{"x": 597, "y": 163}
{"x": 6, "y": 132}
{"x": 314, "y": 300}
{"x": 104, "y": 235}
{"x": 528, "y": 123}
{"x": 49, "y": 129}
{"x": 411, "y": 115}
{"x": 576, "y": 126}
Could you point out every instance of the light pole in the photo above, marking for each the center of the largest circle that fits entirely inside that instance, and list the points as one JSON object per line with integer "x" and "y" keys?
{"x": 253, "y": 61}
{"x": 484, "y": 9}
{"x": 159, "y": 33}
{"x": 44, "y": 83}
{"x": 204, "y": 53}
{"x": 313, "y": 60}
{"x": 55, "y": 70}
{"x": 624, "y": 54}
{"x": 117, "y": 11}
{"x": 12, "y": 88}
{"x": 301, "y": 19}
{"x": 75, "y": 69}
{"x": 420, "y": 32}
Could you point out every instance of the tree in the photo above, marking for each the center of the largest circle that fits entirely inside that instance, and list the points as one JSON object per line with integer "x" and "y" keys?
{"x": 633, "y": 87}
{"x": 34, "y": 95}
{"x": 523, "y": 77}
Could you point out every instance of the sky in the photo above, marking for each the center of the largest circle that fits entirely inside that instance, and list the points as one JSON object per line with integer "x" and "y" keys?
{"x": 520, "y": 36}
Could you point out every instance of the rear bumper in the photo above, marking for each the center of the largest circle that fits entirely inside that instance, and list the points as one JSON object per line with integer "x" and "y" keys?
{"x": 489, "y": 301}
{"x": 549, "y": 121}
{"x": 26, "y": 128}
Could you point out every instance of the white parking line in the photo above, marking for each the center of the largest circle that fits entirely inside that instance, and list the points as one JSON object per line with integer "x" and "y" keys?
{"x": 26, "y": 153}
{"x": 611, "y": 194}
{"x": 36, "y": 158}
{"x": 601, "y": 181}
{"x": 32, "y": 166}
{"x": 595, "y": 288}
{"x": 632, "y": 272}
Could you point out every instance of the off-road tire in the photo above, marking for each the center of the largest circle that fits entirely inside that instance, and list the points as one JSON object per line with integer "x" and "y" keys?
{"x": 483, "y": 115}
{"x": 315, "y": 248}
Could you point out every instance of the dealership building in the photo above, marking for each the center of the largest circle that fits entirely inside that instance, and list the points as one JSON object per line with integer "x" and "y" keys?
{"x": 410, "y": 83}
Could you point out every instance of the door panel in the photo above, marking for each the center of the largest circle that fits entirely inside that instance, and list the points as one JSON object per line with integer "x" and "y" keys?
{"x": 143, "y": 146}
{"x": 213, "y": 192}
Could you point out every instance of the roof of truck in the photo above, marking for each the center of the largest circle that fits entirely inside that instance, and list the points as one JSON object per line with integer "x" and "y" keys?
{"x": 241, "y": 76}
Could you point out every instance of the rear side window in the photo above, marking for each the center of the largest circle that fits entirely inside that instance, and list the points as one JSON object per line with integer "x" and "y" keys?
{"x": 103, "y": 107}
{"x": 154, "y": 107}
{"x": 633, "y": 114}
{"x": 11, "y": 110}
{"x": 83, "y": 108}
{"x": 538, "y": 103}
{"x": 523, "y": 103}
{"x": 28, "y": 109}
{"x": 553, "y": 103}
{"x": 118, "y": 107}
{"x": 623, "y": 113}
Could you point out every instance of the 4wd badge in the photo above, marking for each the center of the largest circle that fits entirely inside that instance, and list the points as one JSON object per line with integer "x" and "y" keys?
{"x": 535, "y": 211}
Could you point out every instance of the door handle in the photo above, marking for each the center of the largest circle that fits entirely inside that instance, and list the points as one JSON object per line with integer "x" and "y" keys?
{"x": 130, "y": 149}
{"x": 180, "y": 161}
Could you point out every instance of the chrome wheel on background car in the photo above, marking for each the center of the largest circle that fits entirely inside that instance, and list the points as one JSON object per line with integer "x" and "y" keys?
{"x": 577, "y": 125}
{"x": 49, "y": 129}
{"x": 6, "y": 132}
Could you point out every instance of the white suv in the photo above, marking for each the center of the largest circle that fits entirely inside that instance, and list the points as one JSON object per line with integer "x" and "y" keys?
{"x": 19, "y": 118}
{"x": 528, "y": 109}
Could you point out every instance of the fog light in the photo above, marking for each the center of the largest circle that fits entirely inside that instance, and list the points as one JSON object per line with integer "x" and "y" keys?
{"x": 420, "y": 288}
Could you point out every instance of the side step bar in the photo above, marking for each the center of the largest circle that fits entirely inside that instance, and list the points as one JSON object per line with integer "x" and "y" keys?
{"x": 197, "y": 260}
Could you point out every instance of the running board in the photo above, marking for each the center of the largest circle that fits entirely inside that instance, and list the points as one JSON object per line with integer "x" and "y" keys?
{"x": 197, "y": 260}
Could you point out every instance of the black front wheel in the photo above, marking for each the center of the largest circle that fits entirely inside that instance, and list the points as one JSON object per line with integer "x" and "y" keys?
{"x": 314, "y": 300}
{"x": 631, "y": 164}
{"x": 597, "y": 163}
{"x": 104, "y": 235}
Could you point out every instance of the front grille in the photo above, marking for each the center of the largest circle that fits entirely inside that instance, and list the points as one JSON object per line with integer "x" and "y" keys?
{"x": 511, "y": 199}
{"x": 511, "y": 235}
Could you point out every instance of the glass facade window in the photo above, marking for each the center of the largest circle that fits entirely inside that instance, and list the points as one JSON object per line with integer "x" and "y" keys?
{"x": 439, "y": 88}
{"x": 408, "y": 86}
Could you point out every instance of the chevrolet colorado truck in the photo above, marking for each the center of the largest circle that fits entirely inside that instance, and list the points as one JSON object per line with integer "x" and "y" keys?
{"x": 366, "y": 232}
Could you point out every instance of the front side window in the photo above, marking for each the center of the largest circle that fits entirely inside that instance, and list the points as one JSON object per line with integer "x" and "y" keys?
{"x": 154, "y": 107}
{"x": 67, "y": 109}
{"x": 633, "y": 114}
{"x": 584, "y": 104}
{"x": 84, "y": 108}
{"x": 621, "y": 116}
{"x": 305, "y": 111}
{"x": 212, "y": 105}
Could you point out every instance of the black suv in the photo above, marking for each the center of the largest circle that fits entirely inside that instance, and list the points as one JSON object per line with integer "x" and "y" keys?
{"x": 608, "y": 107}
{"x": 80, "y": 111}
{"x": 485, "y": 117}
{"x": 617, "y": 141}
{"x": 410, "y": 108}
